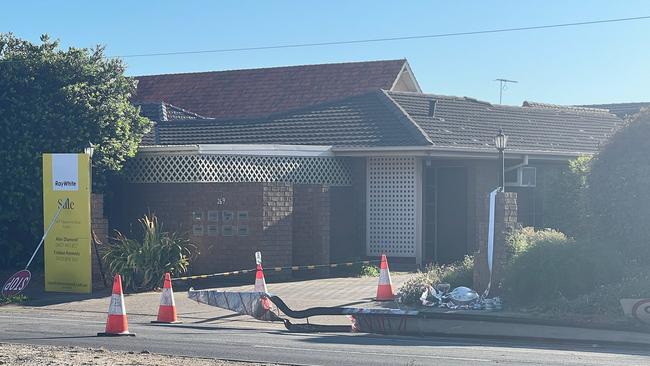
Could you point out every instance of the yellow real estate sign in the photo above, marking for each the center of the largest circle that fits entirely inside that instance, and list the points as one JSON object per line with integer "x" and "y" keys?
{"x": 66, "y": 185}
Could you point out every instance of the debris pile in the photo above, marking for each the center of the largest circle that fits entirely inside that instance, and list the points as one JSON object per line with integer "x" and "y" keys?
{"x": 460, "y": 298}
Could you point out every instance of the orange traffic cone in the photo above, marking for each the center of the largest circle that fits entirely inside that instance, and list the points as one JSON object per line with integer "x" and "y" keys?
{"x": 260, "y": 283}
{"x": 117, "y": 324}
{"x": 385, "y": 286}
{"x": 167, "y": 308}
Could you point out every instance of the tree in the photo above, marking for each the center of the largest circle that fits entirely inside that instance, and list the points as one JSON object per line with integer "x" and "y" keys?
{"x": 566, "y": 205}
{"x": 619, "y": 189}
{"x": 54, "y": 100}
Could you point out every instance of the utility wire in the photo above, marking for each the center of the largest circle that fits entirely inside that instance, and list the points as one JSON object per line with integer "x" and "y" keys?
{"x": 375, "y": 40}
{"x": 391, "y": 39}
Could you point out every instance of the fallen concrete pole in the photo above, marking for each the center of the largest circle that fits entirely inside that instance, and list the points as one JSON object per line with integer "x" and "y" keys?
{"x": 411, "y": 322}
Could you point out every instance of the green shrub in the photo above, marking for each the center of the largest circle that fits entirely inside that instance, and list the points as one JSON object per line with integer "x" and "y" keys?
{"x": 15, "y": 299}
{"x": 411, "y": 290}
{"x": 456, "y": 274}
{"x": 564, "y": 191}
{"x": 604, "y": 300}
{"x": 460, "y": 273}
{"x": 369, "y": 270}
{"x": 550, "y": 269}
{"x": 618, "y": 189}
{"x": 520, "y": 240}
{"x": 143, "y": 264}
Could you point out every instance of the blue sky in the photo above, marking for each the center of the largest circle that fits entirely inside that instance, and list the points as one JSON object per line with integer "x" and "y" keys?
{"x": 589, "y": 64}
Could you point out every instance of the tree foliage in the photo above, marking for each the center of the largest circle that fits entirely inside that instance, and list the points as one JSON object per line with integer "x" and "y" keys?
{"x": 567, "y": 206}
{"x": 54, "y": 100}
{"x": 619, "y": 189}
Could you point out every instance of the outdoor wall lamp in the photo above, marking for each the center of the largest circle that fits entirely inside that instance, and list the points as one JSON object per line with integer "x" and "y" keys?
{"x": 89, "y": 150}
{"x": 500, "y": 141}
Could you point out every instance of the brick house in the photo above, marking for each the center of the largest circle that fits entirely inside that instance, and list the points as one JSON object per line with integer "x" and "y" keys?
{"x": 348, "y": 161}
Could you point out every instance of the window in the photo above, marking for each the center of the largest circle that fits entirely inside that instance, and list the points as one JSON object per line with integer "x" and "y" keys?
{"x": 528, "y": 176}
{"x": 525, "y": 176}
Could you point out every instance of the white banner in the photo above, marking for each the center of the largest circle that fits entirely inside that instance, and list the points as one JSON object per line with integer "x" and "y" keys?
{"x": 490, "y": 241}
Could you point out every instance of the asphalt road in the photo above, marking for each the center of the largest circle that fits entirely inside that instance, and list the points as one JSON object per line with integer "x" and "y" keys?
{"x": 262, "y": 342}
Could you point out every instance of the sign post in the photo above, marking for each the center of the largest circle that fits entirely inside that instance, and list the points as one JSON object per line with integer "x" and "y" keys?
{"x": 66, "y": 205}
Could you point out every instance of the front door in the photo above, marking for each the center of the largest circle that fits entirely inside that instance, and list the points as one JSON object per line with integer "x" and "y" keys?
{"x": 445, "y": 221}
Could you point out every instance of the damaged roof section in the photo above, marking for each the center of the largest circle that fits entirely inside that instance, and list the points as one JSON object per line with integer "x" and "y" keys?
{"x": 161, "y": 111}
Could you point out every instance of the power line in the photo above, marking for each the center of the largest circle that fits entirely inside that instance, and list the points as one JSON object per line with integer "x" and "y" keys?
{"x": 375, "y": 40}
{"x": 390, "y": 39}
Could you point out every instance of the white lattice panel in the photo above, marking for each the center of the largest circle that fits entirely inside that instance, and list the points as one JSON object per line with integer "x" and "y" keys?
{"x": 392, "y": 190}
{"x": 237, "y": 168}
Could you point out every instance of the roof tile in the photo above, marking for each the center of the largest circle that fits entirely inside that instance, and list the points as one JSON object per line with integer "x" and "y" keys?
{"x": 260, "y": 92}
{"x": 472, "y": 124}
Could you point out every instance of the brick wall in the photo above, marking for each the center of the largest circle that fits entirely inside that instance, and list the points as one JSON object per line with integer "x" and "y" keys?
{"x": 276, "y": 241}
{"x": 505, "y": 220}
{"x": 290, "y": 224}
{"x": 227, "y": 221}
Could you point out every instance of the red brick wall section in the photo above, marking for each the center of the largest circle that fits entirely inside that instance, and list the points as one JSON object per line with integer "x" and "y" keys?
{"x": 311, "y": 241}
{"x": 227, "y": 221}
{"x": 505, "y": 220}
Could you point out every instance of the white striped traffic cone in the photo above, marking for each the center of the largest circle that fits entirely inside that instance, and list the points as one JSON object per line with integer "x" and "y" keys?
{"x": 117, "y": 324}
{"x": 260, "y": 283}
{"x": 385, "y": 286}
{"x": 167, "y": 308}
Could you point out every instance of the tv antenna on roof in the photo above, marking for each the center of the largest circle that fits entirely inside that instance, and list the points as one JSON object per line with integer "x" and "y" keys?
{"x": 503, "y": 85}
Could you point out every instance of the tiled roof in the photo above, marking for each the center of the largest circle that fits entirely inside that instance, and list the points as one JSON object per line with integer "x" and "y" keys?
{"x": 161, "y": 111}
{"x": 575, "y": 108}
{"x": 260, "y": 92}
{"x": 398, "y": 119}
{"x": 466, "y": 123}
{"x": 622, "y": 110}
{"x": 370, "y": 119}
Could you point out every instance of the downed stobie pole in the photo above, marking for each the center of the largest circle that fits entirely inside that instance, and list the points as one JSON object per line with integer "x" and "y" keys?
{"x": 368, "y": 320}
{"x": 255, "y": 304}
